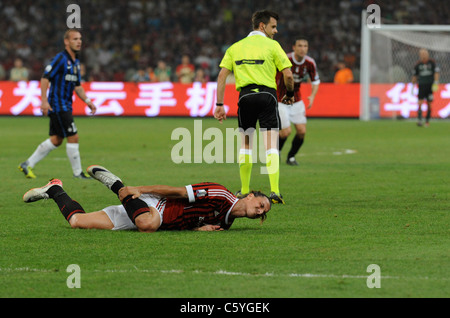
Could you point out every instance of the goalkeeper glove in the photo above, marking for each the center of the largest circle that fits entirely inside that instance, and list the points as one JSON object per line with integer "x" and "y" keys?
{"x": 435, "y": 86}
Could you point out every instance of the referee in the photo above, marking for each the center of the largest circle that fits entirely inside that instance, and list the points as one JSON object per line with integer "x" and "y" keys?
{"x": 63, "y": 76}
{"x": 255, "y": 61}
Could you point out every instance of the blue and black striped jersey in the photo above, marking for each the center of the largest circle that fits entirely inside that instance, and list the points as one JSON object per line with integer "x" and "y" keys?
{"x": 63, "y": 74}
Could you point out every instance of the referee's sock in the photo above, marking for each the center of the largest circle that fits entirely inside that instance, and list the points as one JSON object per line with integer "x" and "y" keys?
{"x": 273, "y": 169}
{"x": 245, "y": 169}
{"x": 66, "y": 205}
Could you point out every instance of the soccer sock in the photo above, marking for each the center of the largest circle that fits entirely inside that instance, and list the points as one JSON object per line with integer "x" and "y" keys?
{"x": 245, "y": 169}
{"x": 73, "y": 153}
{"x": 297, "y": 142}
{"x": 428, "y": 113}
{"x": 41, "y": 152}
{"x": 419, "y": 112}
{"x": 134, "y": 207}
{"x": 273, "y": 169}
{"x": 66, "y": 205}
{"x": 281, "y": 142}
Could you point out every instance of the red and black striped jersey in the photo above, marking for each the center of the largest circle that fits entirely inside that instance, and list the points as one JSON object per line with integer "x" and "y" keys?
{"x": 299, "y": 70}
{"x": 208, "y": 203}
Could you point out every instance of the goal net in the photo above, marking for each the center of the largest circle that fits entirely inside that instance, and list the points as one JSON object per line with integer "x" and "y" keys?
{"x": 388, "y": 56}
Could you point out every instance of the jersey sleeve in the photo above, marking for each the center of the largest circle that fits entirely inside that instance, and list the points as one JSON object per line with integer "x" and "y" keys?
{"x": 55, "y": 65}
{"x": 227, "y": 61}
{"x": 209, "y": 191}
{"x": 280, "y": 58}
{"x": 313, "y": 73}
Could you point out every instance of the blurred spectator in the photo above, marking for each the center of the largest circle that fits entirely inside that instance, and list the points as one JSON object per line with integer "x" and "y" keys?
{"x": 2, "y": 73}
{"x": 163, "y": 73}
{"x": 200, "y": 76}
{"x": 18, "y": 72}
{"x": 120, "y": 35}
{"x": 185, "y": 71}
{"x": 344, "y": 75}
{"x": 141, "y": 76}
{"x": 151, "y": 74}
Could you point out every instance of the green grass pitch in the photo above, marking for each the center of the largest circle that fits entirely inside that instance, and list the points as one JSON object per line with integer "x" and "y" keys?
{"x": 365, "y": 193}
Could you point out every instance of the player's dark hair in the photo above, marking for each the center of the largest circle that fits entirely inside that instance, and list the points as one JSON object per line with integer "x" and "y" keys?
{"x": 264, "y": 17}
{"x": 300, "y": 38}
{"x": 263, "y": 216}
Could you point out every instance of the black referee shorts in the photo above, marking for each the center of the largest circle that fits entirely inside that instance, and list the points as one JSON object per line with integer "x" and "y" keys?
{"x": 258, "y": 103}
{"x": 425, "y": 92}
{"x": 62, "y": 124}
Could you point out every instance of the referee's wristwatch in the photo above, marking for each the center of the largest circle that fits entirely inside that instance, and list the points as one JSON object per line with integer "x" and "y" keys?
{"x": 219, "y": 104}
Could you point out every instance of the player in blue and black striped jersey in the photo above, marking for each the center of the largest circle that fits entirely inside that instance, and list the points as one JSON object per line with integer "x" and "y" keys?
{"x": 63, "y": 77}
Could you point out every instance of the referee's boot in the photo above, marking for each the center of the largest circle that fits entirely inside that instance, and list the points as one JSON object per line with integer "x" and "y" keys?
{"x": 276, "y": 198}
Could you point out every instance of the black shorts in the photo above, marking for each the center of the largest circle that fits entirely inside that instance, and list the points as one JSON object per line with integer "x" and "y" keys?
{"x": 425, "y": 92}
{"x": 258, "y": 103}
{"x": 62, "y": 124}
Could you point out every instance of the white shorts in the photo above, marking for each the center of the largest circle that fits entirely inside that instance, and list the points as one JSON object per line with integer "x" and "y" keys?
{"x": 294, "y": 113}
{"x": 119, "y": 217}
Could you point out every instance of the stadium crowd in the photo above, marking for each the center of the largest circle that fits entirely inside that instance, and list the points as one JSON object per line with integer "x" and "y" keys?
{"x": 144, "y": 40}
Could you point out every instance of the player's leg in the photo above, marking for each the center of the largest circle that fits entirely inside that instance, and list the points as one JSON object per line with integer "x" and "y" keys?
{"x": 72, "y": 146}
{"x": 94, "y": 220}
{"x": 298, "y": 117}
{"x": 285, "y": 131}
{"x": 44, "y": 148}
{"x": 54, "y": 190}
{"x": 429, "y": 105}
{"x": 419, "y": 113}
{"x": 134, "y": 207}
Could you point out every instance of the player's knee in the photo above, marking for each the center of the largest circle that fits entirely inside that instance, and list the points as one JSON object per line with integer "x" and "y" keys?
{"x": 74, "y": 221}
{"x": 145, "y": 224}
{"x": 284, "y": 133}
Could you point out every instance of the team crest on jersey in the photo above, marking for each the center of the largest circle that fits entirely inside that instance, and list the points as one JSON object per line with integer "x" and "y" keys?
{"x": 201, "y": 193}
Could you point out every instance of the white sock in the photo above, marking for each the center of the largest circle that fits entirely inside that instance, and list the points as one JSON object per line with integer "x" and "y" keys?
{"x": 73, "y": 153}
{"x": 41, "y": 152}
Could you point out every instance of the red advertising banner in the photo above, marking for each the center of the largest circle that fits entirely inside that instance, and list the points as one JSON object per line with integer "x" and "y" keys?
{"x": 198, "y": 100}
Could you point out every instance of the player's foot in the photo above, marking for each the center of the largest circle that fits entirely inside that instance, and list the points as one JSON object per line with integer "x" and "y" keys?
{"x": 103, "y": 175}
{"x": 291, "y": 161}
{"x": 37, "y": 194}
{"x": 427, "y": 124}
{"x": 82, "y": 175}
{"x": 419, "y": 123}
{"x": 239, "y": 195}
{"x": 26, "y": 170}
{"x": 276, "y": 198}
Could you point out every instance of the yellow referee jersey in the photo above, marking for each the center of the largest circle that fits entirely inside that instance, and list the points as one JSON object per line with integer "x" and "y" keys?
{"x": 255, "y": 60}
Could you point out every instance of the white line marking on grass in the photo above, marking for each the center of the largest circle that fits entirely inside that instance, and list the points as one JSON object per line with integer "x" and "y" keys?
{"x": 218, "y": 272}
{"x": 334, "y": 153}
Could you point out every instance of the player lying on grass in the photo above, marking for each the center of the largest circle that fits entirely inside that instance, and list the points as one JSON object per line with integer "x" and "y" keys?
{"x": 204, "y": 206}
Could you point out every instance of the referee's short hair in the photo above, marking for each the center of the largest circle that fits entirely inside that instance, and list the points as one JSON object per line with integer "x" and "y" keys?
{"x": 264, "y": 17}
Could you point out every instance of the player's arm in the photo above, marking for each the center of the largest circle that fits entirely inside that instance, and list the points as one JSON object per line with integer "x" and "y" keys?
{"x": 314, "y": 90}
{"x": 219, "y": 112}
{"x": 45, "y": 106}
{"x": 288, "y": 78}
{"x": 82, "y": 95}
{"x": 159, "y": 190}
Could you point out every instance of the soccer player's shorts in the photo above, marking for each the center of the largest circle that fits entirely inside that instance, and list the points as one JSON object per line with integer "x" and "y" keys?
{"x": 425, "y": 92}
{"x": 294, "y": 113}
{"x": 119, "y": 217}
{"x": 62, "y": 124}
{"x": 258, "y": 103}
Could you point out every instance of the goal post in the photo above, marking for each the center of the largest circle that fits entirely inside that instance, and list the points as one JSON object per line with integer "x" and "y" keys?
{"x": 389, "y": 53}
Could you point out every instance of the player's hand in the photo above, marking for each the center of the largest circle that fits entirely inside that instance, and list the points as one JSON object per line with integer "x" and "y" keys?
{"x": 220, "y": 114}
{"x": 92, "y": 107}
{"x": 45, "y": 107}
{"x": 288, "y": 100}
{"x": 209, "y": 228}
{"x": 126, "y": 191}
